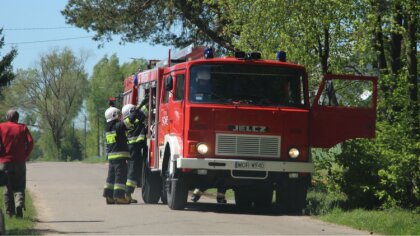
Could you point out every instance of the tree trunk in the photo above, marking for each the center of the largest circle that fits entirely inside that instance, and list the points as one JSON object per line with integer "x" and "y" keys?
{"x": 324, "y": 50}
{"x": 412, "y": 71}
{"x": 396, "y": 41}
{"x": 56, "y": 134}
{"x": 379, "y": 44}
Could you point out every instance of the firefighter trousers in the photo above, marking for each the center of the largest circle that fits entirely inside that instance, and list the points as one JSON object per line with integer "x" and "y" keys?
{"x": 134, "y": 166}
{"x": 117, "y": 176}
{"x": 14, "y": 193}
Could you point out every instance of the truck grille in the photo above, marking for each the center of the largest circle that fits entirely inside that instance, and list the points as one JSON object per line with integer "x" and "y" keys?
{"x": 248, "y": 145}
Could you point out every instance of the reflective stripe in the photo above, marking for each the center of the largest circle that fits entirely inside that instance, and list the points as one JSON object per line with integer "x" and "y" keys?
{"x": 136, "y": 139}
{"x": 115, "y": 155}
{"x": 197, "y": 192}
{"x": 109, "y": 186}
{"x": 119, "y": 187}
{"x": 144, "y": 110}
{"x": 131, "y": 183}
{"x": 111, "y": 137}
{"x": 128, "y": 123}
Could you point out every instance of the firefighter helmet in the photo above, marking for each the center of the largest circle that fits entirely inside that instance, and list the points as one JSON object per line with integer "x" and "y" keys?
{"x": 127, "y": 109}
{"x": 112, "y": 114}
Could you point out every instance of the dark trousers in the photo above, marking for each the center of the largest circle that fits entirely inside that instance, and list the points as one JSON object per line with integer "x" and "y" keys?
{"x": 117, "y": 176}
{"x": 134, "y": 166}
{"x": 14, "y": 193}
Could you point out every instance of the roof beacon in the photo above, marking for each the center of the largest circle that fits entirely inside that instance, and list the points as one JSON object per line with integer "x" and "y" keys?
{"x": 208, "y": 53}
{"x": 281, "y": 56}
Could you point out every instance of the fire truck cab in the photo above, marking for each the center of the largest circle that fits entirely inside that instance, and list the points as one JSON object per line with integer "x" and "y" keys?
{"x": 242, "y": 123}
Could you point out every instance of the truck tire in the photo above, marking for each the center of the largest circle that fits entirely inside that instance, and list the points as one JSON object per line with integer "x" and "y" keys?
{"x": 2, "y": 224}
{"x": 264, "y": 197}
{"x": 151, "y": 185}
{"x": 291, "y": 195}
{"x": 243, "y": 198}
{"x": 165, "y": 186}
{"x": 177, "y": 193}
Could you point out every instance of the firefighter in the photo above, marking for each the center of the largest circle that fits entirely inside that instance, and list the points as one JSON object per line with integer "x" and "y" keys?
{"x": 134, "y": 121}
{"x": 16, "y": 144}
{"x": 117, "y": 152}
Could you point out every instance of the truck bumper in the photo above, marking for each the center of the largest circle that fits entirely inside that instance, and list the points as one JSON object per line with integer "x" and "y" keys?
{"x": 247, "y": 165}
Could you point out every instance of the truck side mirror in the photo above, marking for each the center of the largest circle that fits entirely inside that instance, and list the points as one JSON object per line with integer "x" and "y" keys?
{"x": 169, "y": 83}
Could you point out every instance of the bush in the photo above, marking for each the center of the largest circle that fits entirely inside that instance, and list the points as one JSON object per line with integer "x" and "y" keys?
{"x": 321, "y": 203}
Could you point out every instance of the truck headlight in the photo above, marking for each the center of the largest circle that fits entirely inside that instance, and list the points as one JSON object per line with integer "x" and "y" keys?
{"x": 202, "y": 148}
{"x": 293, "y": 153}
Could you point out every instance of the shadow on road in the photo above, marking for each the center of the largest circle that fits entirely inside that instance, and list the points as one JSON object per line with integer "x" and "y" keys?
{"x": 42, "y": 231}
{"x": 68, "y": 221}
{"x": 233, "y": 209}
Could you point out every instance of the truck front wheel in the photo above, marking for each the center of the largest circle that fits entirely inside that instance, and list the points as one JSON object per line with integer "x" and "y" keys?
{"x": 243, "y": 198}
{"x": 264, "y": 196}
{"x": 177, "y": 193}
{"x": 291, "y": 195}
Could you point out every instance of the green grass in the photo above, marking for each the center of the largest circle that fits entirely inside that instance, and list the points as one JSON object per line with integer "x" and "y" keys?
{"x": 212, "y": 192}
{"x": 389, "y": 222}
{"x": 25, "y": 226}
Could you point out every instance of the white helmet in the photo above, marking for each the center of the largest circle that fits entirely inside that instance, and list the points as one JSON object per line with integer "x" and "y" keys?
{"x": 112, "y": 114}
{"x": 127, "y": 109}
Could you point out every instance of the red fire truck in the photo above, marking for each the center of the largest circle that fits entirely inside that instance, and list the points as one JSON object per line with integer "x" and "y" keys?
{"x": 243, "y": 123}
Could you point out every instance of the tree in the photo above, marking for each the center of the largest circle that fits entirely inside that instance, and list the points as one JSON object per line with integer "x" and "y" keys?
{"x": 52, "y": 94}
{"x": 6, "y": 70}
{"x": 134, "y": 66}
{"x": 106, "y": 81}
{"x": 169, "y": 22}
{"x": 387, "y": 34}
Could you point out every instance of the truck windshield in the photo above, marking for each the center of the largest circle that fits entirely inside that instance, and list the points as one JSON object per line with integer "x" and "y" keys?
{"x": 262, "y": 85}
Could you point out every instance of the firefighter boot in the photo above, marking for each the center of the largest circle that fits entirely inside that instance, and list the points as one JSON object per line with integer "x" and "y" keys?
{"x": 109, "y": 200}
{"x": 196, "y": 195}
{"x": 19, "y": 212}
{"x": 121, "y": 200}
{"x": 128, "y": 196}
{"x": 221, "y": 198}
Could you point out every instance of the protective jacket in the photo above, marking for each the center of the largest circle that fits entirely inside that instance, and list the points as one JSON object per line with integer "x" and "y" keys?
{"x": 116, "y": 140}
{"x": 135, "y": 124}
{"x": 16, "y": 142}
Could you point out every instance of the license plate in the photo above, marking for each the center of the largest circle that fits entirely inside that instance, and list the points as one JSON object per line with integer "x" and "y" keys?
{"x": 256, "y": 165}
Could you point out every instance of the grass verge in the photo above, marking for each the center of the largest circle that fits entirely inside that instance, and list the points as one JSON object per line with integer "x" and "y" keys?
{"x": 326, "y": 208}
{"x": 25, "y": 226}
{"x": 389, "y": 222}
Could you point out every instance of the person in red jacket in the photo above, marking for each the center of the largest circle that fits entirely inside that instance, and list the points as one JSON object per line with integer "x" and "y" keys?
{"x": 15, "y": 146}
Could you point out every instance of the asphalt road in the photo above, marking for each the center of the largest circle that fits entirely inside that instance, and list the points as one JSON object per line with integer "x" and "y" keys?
{"x": 68, "y": 197}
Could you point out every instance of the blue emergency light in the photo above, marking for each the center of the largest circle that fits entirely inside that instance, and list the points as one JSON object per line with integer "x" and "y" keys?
{"x": 281, "y": 56}
{"x": 208, "y": 53}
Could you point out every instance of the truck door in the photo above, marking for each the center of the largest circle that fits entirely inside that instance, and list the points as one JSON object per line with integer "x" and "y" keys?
{"x": 344, "y": 108}
{"x": 171, "y": 109}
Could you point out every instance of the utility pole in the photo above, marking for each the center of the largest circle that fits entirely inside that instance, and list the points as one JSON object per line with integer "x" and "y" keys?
{"x": 97, "y": 136}
{"x": 85, "y": 153}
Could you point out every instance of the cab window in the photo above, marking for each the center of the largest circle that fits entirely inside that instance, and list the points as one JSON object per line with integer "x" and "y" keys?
{"x": 179, "y": 89}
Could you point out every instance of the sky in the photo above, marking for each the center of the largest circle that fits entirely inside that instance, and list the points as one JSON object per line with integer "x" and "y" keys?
{"x": 35, "y": 27}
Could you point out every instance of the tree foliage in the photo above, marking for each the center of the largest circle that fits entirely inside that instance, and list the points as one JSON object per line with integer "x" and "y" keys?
{"x": 6, "y": 70}
{"x": 168, "y": 22}
{"x": 52, "y": 95}
{"x": 105, "y": 82}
